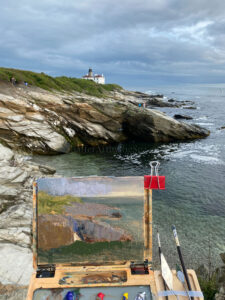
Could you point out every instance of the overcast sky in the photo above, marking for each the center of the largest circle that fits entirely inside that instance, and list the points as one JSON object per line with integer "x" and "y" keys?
{"x": 137, "y": 43}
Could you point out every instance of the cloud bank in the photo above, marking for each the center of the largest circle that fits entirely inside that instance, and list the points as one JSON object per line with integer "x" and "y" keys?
{"x": 133, "y": 42}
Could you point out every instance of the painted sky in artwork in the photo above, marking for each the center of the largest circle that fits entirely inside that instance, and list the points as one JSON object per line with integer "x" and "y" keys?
{"x": 93, "y": 186}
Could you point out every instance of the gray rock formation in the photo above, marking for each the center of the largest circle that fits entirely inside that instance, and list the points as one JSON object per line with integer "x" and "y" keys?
{"x": 190, "y": 107}
{"x": 179, "y": 116}
{"x": 158, "y": 102}
{"x": 16, "y": 177}
{"x": 12, "y": 292}
{"x": 39, "y": 121}
{"x": 154, "y": 126}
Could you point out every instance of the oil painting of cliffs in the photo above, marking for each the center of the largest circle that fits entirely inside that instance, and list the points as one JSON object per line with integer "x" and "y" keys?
{"x": 90, "y": 220}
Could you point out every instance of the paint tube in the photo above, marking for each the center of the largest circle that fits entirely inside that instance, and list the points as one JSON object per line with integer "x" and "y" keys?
{"x": 125, "y": 296}
{"x": 141, "y": 296}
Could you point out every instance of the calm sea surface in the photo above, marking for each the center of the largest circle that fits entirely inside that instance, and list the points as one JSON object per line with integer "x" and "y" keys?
{"x": 194, "y": 199}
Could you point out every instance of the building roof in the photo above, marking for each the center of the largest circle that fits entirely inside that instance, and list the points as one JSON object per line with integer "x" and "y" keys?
{"x": 87, "y": 76}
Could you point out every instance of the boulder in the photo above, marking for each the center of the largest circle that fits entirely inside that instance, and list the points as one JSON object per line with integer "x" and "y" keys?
{"x": 189, "y": 107}
{"x": 154, "y": 126}
{"x": 179, "y": 116}
{"x": 158, "y": 102}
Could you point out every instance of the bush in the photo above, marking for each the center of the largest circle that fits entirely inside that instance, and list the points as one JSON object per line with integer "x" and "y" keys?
{"x": 209, "y": 287}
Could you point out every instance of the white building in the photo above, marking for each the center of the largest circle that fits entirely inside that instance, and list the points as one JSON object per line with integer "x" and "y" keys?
{"x": 97, "y": 78}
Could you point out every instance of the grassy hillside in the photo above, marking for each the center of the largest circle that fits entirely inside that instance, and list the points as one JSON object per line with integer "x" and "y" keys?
{"x": 48, "y": 204}
{"x": 62, "y": 83}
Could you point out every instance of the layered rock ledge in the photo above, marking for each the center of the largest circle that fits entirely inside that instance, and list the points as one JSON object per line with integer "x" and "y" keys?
{"x": 16, "y": 177}
{"x": 38, "y": 121}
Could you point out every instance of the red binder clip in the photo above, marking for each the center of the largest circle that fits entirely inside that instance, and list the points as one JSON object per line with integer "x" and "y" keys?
{"x": 154, "y": 182}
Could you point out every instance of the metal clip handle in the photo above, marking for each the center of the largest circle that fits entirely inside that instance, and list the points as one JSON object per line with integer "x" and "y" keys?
{"x": 154, "y": 168}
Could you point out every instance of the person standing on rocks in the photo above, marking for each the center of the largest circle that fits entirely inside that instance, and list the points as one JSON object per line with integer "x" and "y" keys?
{"x": 13, "y": 81}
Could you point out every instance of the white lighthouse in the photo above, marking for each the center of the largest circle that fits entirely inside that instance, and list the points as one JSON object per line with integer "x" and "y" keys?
{"x": 96, "y": 78}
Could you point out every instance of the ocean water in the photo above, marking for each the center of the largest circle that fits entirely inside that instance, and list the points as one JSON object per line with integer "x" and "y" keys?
{"x": 194, "y": 199}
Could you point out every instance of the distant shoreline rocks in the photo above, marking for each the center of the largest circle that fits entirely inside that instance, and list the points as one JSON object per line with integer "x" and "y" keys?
{"x": 189, "y": 107}
{"x": 179, "y": 116}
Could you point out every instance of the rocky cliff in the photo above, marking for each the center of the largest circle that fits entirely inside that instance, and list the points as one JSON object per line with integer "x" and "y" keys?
{"x": 38, "y": 121}
{"x": 16, "y": 177}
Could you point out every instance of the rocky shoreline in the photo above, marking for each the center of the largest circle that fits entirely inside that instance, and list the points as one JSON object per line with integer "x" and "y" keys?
{"x": 38, "y": 121}
{"x": 33, "y": 120}
{"x": 16, "y": 177}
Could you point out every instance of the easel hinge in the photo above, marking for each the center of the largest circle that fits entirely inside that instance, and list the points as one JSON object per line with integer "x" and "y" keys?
{"x": 139, "y": 269}
{"x": 45, "y": 271}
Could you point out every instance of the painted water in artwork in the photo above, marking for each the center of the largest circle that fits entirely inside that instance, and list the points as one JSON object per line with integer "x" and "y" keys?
{"x": 92, "y": 220}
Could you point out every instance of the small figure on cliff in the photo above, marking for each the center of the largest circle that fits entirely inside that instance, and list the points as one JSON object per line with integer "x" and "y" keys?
{"x": 13, "y": 81}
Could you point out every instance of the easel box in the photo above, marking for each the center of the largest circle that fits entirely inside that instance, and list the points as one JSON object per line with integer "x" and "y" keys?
{"x": 92, "y": 234}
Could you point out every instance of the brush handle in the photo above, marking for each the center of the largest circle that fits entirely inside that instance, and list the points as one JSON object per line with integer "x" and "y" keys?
{"x": 160, "y": 251}
{"x": 181, "y": 258}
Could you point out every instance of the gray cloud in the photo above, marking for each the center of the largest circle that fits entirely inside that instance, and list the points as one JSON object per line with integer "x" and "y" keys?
{"x": 129, "y": 41}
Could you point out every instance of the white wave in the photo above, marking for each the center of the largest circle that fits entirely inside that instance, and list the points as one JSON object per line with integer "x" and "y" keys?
{"x": 27, "y": 157}
{"x": 182, "y": 154}
{"x": 207, "y": 159}
{"x": 202, "y": 118}
{"x": 204, "y": 124}
{"x": 149, "y": 92}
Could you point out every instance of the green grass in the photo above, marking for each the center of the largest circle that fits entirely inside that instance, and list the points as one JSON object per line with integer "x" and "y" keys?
{"x": 48, "y": 204}
{"x": 62, "y": 83}
{"x": 209, "y": 287}
{"x": 92, "y": 253}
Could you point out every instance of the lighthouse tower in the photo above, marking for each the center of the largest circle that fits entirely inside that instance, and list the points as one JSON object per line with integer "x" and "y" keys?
{"x": 97, "y": 78}
{"x": 90, "y": 73}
